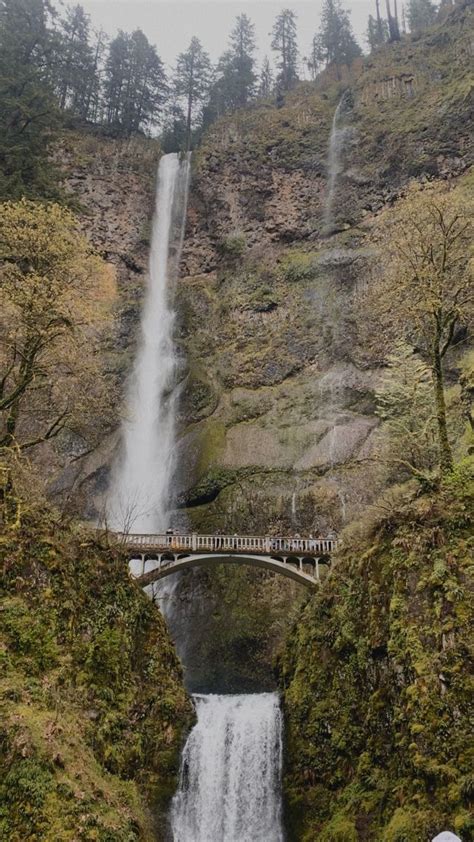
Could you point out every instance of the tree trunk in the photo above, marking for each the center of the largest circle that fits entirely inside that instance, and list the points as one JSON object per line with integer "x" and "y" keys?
{"x": 392, "y": 24}
{"x": 445, "y": 454}
{"x": 379, "y": 23}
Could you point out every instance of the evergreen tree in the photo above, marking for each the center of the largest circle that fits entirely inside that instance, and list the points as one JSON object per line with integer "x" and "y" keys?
{"x": 27, "y": 104}
{"x": 135, "y": 89}
{"x": 377, "y": 33}
{"x": 235, "y": 79}
{"x": 93, "y": 101}
{"x": 267, "y": 80}
{"x": 382, "y": 25}
{"x": 76, "y": 66}
{"x": 242, "y": 49}
{"x": 285, "y": 43}
{"x": 115, "y": 74}
{"x": 393, "y": 27}
{"x": 335, "y": 43}
{"x": 421, "y": 14}
{"x": 192, "y": 82}
{"x": 174, "y": 134}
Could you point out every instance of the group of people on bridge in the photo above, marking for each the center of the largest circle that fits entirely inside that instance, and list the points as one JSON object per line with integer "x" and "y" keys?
{"x": 270, "y": 544}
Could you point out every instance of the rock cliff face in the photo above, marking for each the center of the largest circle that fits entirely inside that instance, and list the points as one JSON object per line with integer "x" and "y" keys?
{"x": 278, "y": 399}
{"x": 277, "y": 382}
{"x": 111, "y": 187}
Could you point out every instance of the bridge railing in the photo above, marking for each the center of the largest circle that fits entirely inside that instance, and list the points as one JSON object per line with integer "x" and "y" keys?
{"x": 227, "y": 543}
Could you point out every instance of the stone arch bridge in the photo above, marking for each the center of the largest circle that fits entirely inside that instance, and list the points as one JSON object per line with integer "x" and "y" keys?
{"x": 153, "y": 557}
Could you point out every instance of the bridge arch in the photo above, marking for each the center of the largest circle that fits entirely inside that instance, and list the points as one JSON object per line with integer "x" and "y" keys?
{"x": 153, "y": 557}
{"x": 293, "y": 567}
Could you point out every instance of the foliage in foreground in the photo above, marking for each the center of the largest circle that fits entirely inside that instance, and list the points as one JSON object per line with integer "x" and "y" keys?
{"x": 55, "y": 299}
{"x": 378, "y": 676}
{"x": 92, "y": 703}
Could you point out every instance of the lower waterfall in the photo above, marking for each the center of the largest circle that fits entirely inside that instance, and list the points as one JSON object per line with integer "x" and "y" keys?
{"x": 229, "y": 789}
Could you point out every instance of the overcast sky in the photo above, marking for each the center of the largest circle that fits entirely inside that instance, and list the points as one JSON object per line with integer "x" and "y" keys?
{"x": 170, "y": 24}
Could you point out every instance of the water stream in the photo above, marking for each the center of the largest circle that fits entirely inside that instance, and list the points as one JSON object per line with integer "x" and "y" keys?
{"x": 334, "y": 163}
{"x": 141, "y": 496}
{"x": 229, "y": 788}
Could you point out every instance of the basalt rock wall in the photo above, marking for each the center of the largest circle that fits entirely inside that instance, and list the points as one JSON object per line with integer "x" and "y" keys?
{"x": 277, "y": 406}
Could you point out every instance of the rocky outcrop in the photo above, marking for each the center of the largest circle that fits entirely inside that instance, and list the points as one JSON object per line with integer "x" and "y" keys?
{"x": 111, "y": 188}
{"x": 279, "y": 381}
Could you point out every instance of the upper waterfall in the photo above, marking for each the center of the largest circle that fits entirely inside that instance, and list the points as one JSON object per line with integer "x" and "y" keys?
{"x": 334, "y": 163}
{"x": 141, "y": 490}
{"x": 230, "y": 772}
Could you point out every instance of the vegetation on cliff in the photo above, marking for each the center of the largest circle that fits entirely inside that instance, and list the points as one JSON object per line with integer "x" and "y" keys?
{"x": 377, "y": 677}
{"x": 55, "y": 299}
{"x": 92, "y": 701}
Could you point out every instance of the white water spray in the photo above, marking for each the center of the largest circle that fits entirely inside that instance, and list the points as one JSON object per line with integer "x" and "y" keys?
{"x": 231, "y": 771}
{"x": 140, "y": 497}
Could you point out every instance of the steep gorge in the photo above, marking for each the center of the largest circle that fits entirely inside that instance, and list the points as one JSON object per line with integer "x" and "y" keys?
{"x": 276, "y": 421}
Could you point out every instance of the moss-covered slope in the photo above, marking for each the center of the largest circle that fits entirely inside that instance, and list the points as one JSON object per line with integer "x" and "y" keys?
{"x": 378, "y": 676}
{"x": 92, "y": 704}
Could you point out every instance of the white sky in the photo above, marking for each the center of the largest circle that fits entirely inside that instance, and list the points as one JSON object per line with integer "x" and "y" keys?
{"x": 170, "y": 24}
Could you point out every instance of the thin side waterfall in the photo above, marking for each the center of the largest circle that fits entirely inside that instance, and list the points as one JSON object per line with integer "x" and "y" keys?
{"x": 334, "y": 165}
{"x": 141, "y": 488}
{"x": 230, "y": 779}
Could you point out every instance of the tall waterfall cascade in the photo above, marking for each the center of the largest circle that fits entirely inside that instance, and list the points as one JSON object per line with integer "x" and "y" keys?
{"x": 334, "y": 162}
{"x": 141, "y": 487}
{"x": 229, "y": 788}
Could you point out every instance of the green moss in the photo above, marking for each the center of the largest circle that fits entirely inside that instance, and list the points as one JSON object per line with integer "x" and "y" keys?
{"x": 211, "y": 444}
{"x": 93, "y": 708}
{"x": 232, "y": 247}
{"x": 407, "y": 825}
{"x": 373, "y": 673}
{"x": 339, "y": 829}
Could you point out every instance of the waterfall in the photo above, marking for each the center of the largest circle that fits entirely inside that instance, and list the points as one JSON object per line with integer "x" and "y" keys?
{"x": 334, "y": 164}
{"x": 141, "y": 488}
{"x": 229, "y": 787}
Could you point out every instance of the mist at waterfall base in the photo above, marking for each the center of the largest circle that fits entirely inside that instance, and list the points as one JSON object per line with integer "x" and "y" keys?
{"x": 229, "y": 787}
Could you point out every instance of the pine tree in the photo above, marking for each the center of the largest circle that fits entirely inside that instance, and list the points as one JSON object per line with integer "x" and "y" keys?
{"x": 27, "y": 104}
{"x": 75, "y": 67}
{"x": 242, "y": 49}
{"x": 393, "y": 27}
{"x": 421, "y": 14}
{"x": 115, "y": 75}
{"x": 174, "y": 134}
{"x": 93, "y": 95}
{"x": 235, "y": 79}
{"x": 285, "y": 43}
{"x": 135, "y": 89}
{"x": 335, "y": 43}
{"x": 377, "y": 33}
{"x": 192, "y": 82}
{"x": 267, "y": 80}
